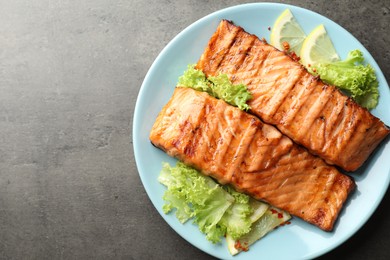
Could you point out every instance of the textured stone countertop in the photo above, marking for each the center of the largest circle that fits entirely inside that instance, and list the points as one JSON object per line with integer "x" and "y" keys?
{"x": 70, "y": 72}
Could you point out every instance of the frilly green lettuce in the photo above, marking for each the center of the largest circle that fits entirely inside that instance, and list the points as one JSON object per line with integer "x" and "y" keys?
{"x": 237, "y": 217}
{"x": 217, "y": 86}
{"x": 215, "y": 209}
{"x": 352, "y": 76}
{"x": 219, "y": 211}
{"x": 196, "y": 196}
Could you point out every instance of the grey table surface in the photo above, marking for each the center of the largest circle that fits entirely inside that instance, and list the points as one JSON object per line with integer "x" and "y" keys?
{"x": 70, "y": 72}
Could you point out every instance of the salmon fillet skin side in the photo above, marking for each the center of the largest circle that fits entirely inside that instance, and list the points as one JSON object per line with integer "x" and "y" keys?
{"x": 310, "y": 112}
{"x": 237, "y": 148}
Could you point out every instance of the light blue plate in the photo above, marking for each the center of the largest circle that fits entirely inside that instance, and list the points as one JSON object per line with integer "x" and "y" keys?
{"x": 298, "y": 240}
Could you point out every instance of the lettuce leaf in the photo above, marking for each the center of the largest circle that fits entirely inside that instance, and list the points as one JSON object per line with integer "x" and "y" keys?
{"x": 268, "y": 222}
{"x": 217, "y": 86}
{"x": 351, "y": 75}
{"x": 196, "y": 79}
{"x": 196, "y": 196}
{"x": 219, "y": 211}
{"x": 175, "y": 198}
{"x": 237, "y": 218}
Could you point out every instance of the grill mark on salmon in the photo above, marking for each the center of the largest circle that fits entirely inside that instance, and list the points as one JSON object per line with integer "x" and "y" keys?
{"x": 221, "y": 50}
{"x": 313, "y": 114}
{"x": 237, "y": 52}
{"x": 252, "y": 156}
{"x": 298, "y": 96}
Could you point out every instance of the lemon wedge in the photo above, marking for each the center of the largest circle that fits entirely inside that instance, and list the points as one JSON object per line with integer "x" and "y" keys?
{"x": 318, "y": 47}
{"x": 286, "y": 29}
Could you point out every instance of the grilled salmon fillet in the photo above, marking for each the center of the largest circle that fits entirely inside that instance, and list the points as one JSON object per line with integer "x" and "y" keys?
{"x": 285, "y": 94}
{"x": 236, "y": 148}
